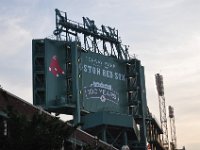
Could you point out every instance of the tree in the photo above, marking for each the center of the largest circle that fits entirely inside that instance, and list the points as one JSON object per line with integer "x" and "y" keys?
{"x": 39, "y": 132}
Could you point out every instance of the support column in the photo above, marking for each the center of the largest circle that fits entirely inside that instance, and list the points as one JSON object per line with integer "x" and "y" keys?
{"x": 104, "y": 137}
{"x": 125, "y": 138}
{"x": 75, "y": 79}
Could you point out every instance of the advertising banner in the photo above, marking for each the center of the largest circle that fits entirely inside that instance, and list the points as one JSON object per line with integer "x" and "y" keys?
{"x": 103, "y": 83}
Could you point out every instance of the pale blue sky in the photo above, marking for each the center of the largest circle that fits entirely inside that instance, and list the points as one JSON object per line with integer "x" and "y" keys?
{"x": 164, "y": 35}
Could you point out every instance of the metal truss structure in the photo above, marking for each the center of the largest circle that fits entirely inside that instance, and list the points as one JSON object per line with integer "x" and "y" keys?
{"x": 105, "y": 41}
{"x": 163, "y": 118}
{"x": 173, "y": 143}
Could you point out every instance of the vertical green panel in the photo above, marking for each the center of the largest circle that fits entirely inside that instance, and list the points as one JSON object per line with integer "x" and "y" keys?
{"x": 38, "y": 52}
{"x": 104, "y": 83}
{"x": 75, "y": 80}
{"x": 55, "y": 55}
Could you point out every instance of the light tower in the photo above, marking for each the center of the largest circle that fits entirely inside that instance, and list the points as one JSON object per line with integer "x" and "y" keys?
{"x": 173, "y": 143}
{"x": 163, "y": 118}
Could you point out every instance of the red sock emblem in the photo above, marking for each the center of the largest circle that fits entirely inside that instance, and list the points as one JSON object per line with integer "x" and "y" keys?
{"x": 54, "y": 67}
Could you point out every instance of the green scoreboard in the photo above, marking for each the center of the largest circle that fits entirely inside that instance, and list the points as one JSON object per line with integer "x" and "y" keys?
{"x": 101, "y": 79}
{"x": 103, "y": 83}
{"x": 48, "y": 72}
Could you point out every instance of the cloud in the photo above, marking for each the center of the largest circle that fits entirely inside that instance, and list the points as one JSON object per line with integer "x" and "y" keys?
{"x": 14, "y": 37}
{"x": 164, "y": 35}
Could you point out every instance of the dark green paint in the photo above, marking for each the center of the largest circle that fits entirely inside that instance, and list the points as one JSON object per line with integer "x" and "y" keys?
{"x": 108, "y": 73}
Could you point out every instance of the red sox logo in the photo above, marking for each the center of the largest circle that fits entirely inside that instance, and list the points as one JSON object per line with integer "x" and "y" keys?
{"x": 54, "y": 67}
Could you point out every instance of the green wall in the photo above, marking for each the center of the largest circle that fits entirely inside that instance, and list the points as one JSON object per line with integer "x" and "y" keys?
{"x": 103, "y": 83}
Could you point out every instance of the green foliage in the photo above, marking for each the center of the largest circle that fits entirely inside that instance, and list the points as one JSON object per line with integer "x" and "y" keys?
{"x": 38, "y": 133}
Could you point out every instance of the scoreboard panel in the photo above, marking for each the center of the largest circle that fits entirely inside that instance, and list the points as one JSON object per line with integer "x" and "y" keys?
{"x": 103, "y": 83}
